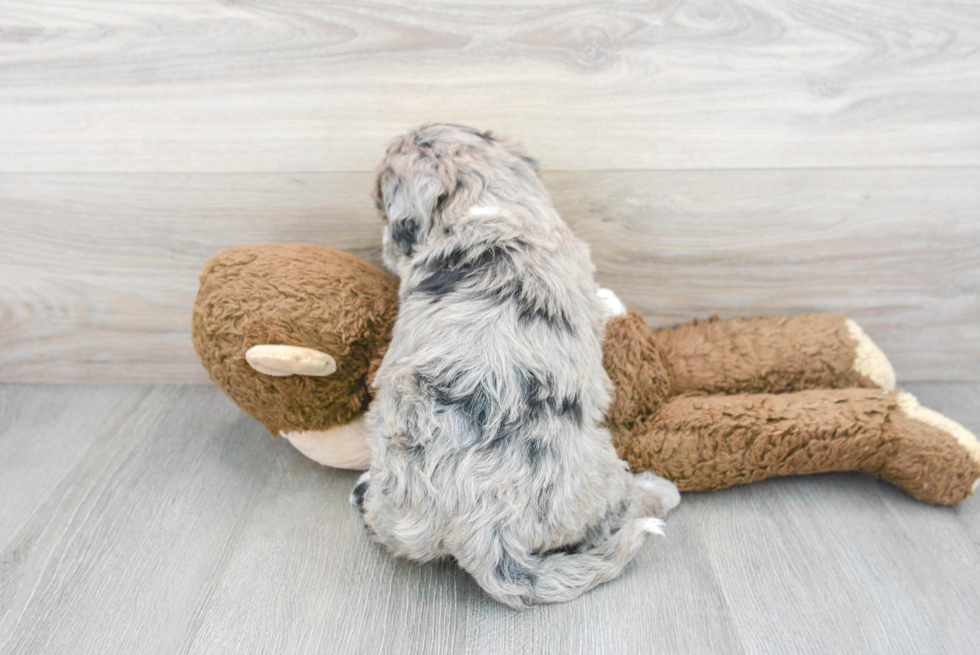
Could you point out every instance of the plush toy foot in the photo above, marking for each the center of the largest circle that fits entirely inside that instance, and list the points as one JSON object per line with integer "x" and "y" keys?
{"x": 712, "y": 442}
{"x": 924, "y": 438}
{"x": 342, "y": 447}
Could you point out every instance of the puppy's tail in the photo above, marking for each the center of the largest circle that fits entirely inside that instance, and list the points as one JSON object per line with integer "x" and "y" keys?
{"x": 520, "y": 579}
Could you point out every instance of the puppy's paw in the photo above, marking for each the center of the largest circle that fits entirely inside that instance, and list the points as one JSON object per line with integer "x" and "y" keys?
{"x": 360, "y": 490}
{"x": 657, "y": 495}
{"x": 653, "y": 526}
{"x": 611, "y": 304}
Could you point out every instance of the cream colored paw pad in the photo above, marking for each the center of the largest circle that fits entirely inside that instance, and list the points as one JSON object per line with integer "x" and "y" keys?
{"x": 910, "y": 405}
{"x": 869, "y": 360}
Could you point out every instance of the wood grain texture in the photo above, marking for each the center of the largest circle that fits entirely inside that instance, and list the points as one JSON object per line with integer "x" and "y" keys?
{"x": 846, "y": 553}
{"x": 121, "y": 553}
{"x": 301, "y": 85}
{"x": 898, "y": 251}
{"x": 98, "y": 273}
{"x": 177, "y": 525}
{"x": 44, "y": 440}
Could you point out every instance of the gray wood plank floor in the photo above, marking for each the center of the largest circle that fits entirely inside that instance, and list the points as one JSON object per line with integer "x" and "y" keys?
{"x": 161, "y": 519}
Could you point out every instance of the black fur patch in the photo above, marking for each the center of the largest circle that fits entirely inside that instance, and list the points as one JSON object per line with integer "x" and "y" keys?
{"x": 480, "y": 410}
{"x": 610, "y": 523}
{"x": 476, "y": 406}
{"x": 540, "y": 399}
{"x": 509, "y": 570}
{"x": 556, "y": 321}
{"x": 446, "y": 273}
{"x": 536, "y": 394}
{"x": 441, "y": 202}
{"x": 571, "y": 408}
{"x": 528, "y": 311}
{"x": 543, "y": 501}
{"x": 504, "y": 435}
{"x": 443, "y": 282}
{"x": 600, "y": 531}
{"x": 360, "y": 490}
{"x": 405, "y": 234}
{"x": 567, "y": 549}
{"x": 535, "y": 451}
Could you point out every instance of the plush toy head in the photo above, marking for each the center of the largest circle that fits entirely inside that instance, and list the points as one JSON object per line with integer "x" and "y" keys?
{"x": 262, "y": 295}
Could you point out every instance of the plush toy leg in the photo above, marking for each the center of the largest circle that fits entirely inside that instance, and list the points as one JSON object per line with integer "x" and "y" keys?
{"x": 773, "y": 355}
{"x": 711, "y": 442}
{"x": 342, "y": 447}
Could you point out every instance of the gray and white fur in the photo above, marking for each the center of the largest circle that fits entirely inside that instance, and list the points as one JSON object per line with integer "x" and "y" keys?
{"x": 485, "y": 429}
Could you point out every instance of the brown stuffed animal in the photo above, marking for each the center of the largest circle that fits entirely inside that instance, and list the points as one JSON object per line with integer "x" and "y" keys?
{"x": 294, "y": 333}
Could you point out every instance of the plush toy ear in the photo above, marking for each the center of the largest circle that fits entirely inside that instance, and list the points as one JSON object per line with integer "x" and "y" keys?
{"x": 283, "y": 361}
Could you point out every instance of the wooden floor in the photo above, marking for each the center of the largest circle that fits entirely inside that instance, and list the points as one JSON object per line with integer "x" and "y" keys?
{"x": 160, "y": 519}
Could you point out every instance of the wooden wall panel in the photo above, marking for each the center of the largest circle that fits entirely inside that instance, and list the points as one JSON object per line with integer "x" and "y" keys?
{"x": 301, "y": 85}
{"x": 729, "y": 156}
{"x": 98, "y": 272}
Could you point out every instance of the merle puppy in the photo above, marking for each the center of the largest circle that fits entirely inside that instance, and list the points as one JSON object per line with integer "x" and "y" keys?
{"x": 485, "y": 429}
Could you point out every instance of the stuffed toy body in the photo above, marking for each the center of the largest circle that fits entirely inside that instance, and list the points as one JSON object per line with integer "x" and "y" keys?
{"x": 294, "y": 333}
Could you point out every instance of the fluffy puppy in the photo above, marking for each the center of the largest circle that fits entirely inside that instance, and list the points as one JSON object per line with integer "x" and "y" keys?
{"x": 485, "y": 427}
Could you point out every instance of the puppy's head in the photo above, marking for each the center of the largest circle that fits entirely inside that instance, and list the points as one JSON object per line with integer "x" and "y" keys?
{"x": 431, "y": 175}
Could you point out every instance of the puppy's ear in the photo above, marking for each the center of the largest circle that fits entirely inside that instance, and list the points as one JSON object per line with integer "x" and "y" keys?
{"x": 410, "y": 202}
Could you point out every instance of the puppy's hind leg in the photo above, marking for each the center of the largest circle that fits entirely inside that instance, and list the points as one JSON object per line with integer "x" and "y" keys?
{"x": 521, "y": 579}
{"x": 656, "y": 496}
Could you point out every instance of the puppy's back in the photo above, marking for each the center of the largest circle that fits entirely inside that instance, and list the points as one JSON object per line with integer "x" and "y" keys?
{"x": 486, "y": 422}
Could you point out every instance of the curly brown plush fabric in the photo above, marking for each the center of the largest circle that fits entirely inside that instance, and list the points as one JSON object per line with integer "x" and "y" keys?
{"x": 638, "y": 368}
{"x": 713, "y": 404}
{"x": 712, "y": 442}
{"x": 708, "y": 405}
{"x": 761, "y": 355}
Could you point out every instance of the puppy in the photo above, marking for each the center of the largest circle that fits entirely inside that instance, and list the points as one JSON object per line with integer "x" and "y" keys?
{"x": 485, "y": 427}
